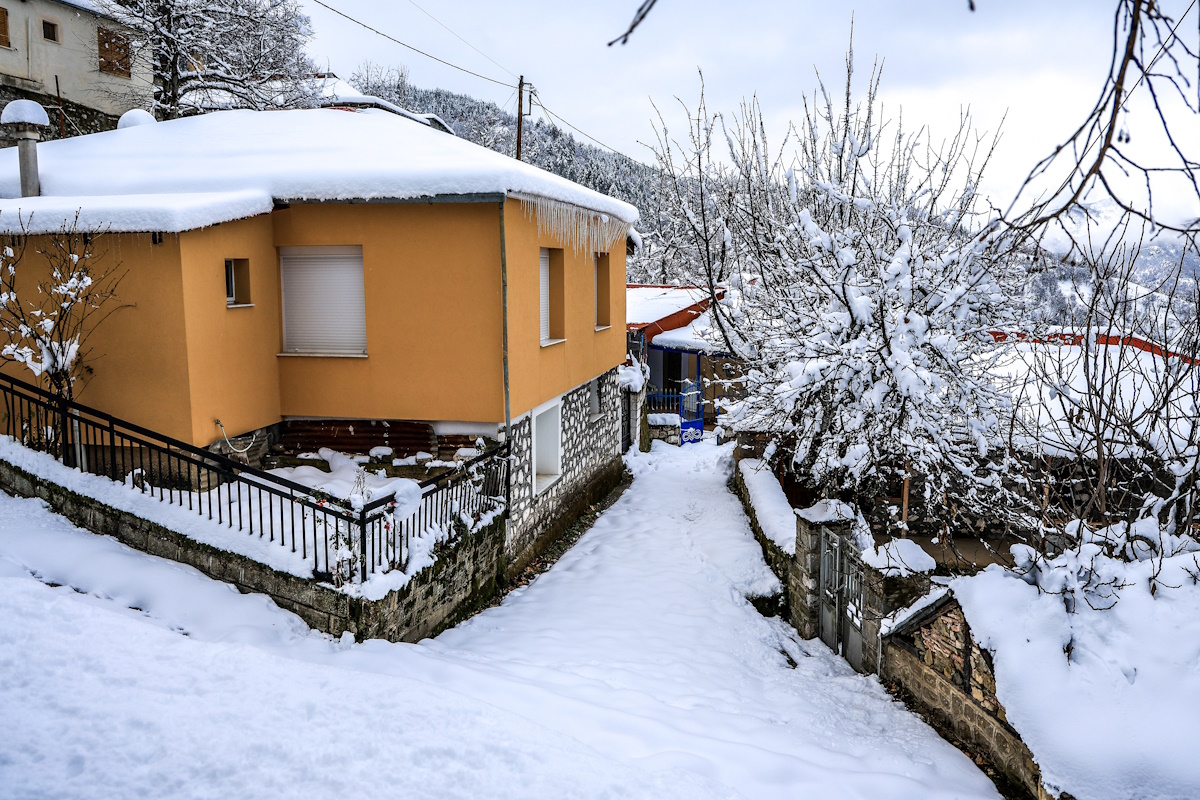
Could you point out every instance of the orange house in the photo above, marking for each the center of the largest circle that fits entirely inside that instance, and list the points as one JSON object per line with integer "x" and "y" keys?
{"x": 346, "y": 264}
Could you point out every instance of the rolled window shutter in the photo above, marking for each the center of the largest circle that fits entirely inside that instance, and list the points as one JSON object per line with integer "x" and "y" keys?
{"x": 544, "y": 292}
{"x": 324, "y": 305}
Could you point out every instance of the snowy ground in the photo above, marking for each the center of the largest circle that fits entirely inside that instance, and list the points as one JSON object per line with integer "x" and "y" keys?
{"x": 634, "y": 668}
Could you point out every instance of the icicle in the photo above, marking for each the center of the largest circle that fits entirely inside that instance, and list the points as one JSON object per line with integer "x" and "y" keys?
{"x": 584, "y": 230}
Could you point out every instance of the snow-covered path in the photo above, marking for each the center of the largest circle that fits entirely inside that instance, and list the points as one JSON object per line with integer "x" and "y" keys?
{"x": 634, "y": 668}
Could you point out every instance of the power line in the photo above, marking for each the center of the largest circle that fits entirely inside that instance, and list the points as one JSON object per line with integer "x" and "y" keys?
{"x": 554, "y": 116}
{"x": 410, "y": 47}
{"x": 461, "y": 39}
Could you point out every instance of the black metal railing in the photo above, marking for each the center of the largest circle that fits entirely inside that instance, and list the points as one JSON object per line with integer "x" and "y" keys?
{"x": 343, "y": 540}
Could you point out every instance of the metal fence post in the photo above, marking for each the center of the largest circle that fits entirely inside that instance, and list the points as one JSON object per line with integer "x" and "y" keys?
{"x": 362, "y": 534}
{"x": 64, "y": 432}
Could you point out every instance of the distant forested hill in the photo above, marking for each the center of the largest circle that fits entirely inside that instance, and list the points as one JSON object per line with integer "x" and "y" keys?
{"x": 546, "y": 146}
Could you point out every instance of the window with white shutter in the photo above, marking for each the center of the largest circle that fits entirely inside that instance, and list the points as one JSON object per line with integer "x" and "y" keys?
{"x": 544, "y": 293}
{"x": 602, "y": 292}
{"x": 324, "y": 305}
{"x": 550, "y": 296}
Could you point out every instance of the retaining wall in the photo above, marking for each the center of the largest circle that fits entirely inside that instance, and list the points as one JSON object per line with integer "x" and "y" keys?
{"x": 467, "y": 574}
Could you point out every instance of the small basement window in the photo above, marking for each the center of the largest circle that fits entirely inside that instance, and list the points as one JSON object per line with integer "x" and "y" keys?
{"x": 547, "y": 448}
{"x": 49, "y": 31}
{"x": 550, "y": 296}
{"x": 602, "y": 292}
{"x": 594, "y": 400}
{"x": 237, "y": 281}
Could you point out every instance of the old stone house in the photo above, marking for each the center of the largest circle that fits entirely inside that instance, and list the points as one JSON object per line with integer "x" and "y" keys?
{"x": 71, "y": 57}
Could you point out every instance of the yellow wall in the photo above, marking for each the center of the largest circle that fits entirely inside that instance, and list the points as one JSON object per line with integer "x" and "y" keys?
{"x": 432, "y": 284}
{"x": 231, "y": 351}
{"x": 180, "y": 358}
{"x": 539, "y": 373}
{"x": 138, "y": 355}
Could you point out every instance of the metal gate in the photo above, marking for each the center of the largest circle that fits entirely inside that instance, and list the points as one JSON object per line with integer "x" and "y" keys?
{"x": 841, "y": 598}
{"x": 691, "y": 412}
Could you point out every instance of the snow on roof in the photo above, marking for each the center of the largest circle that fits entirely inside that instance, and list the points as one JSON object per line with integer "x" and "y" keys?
{"x": 133, "y": 212}
{"x": 299, "y": 155}
{"x": 693, "y": 337}
{"x": 335, "y": 91}
{"x": 647, "y": 304}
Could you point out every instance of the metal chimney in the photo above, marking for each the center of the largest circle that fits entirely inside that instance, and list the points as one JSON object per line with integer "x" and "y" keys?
{"x": 24, "y": 120}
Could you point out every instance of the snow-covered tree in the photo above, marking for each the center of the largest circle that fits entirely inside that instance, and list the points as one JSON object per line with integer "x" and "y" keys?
{"x": 862, "y": 294}
{"x": 55, "y": 290}
{"x": 210, "y": 54}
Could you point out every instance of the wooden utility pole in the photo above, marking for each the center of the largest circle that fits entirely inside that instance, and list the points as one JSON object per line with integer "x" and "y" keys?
{"x": 520, "y": 113}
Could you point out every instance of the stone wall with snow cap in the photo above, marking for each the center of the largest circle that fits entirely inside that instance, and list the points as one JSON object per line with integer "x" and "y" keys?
{"x": 591, "y": 467}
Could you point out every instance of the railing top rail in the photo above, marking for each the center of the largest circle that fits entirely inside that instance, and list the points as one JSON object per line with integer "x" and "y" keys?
{"x": 460, "y": 472}
{"x": 222, "y": 463}
{"x": 198, "y": 456}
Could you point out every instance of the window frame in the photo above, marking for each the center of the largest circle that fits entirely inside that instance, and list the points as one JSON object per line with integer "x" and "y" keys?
{"x": 237, "y": 283}
{"x": 318, "y": 251}
{"x": 545, "y": 423}
{"x": 57, "y": 31}
{"x": 552, "y": 327}
{"x": 595, "y": 408}
{"x": 602, "y": 291}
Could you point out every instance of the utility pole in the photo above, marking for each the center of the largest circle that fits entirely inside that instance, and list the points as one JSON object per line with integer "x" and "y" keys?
{"x": 520, "y": 113}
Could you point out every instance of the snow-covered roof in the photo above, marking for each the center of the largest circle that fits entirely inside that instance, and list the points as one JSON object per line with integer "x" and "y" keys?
{"x": 693, "y": 337}
{"x": 648, "y": 304}
{"x": 334, "y": 91}
{"x": 145, "y": 177}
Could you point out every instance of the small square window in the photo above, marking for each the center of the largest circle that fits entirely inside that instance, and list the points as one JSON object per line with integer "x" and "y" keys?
{"x": 237, "y": 281}
{"x": 49, "y": 31}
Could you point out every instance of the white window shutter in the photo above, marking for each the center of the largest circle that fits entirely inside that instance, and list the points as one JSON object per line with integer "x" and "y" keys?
{"x": 544, "y": 292}
{"x": 324, "y": 305}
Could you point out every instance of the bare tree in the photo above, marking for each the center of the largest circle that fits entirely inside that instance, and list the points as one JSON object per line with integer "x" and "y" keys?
{"x": 211, "y": 54}
{"x": 52, "y": 303}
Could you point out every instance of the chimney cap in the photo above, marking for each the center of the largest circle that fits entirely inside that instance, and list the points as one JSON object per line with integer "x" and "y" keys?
{"x": 24, "y": 113}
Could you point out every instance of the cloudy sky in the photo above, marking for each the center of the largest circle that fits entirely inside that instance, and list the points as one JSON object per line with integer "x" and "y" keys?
{"x": 1040, "y": 63}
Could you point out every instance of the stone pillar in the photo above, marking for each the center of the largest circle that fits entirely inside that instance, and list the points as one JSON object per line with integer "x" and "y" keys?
{"x": 803, "y": 578}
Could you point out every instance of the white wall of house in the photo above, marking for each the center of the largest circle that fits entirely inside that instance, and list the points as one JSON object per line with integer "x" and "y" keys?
{"x": 31, "y": 62}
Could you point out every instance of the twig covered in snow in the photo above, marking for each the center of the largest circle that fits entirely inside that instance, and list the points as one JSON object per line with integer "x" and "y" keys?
{"x": 55, "y": 290}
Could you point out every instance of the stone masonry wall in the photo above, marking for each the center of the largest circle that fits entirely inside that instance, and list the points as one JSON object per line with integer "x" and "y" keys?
{"x": 803, "y": 578}
{"x": 78, "y": 119}
{"x": 951, "y": 678}
{"x": 591, "y": 467}
{"x": 465, "y": 576}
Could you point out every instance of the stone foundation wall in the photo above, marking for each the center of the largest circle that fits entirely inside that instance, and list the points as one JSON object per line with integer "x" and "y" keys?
{"x": 78, "y": 119}
{"x": 467, "y": 574}
{"x": 937, "y": 662}
{"x": 591, "y": 468}
{"x": 666, "y": 433}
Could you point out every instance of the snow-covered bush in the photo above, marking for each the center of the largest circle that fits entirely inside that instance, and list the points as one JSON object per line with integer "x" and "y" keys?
{"x": 862, "y": 292}
{"x": 55, "y": 290}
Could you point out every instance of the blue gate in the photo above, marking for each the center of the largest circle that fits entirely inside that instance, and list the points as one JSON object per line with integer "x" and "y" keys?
{"x": 688, "y": 404}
